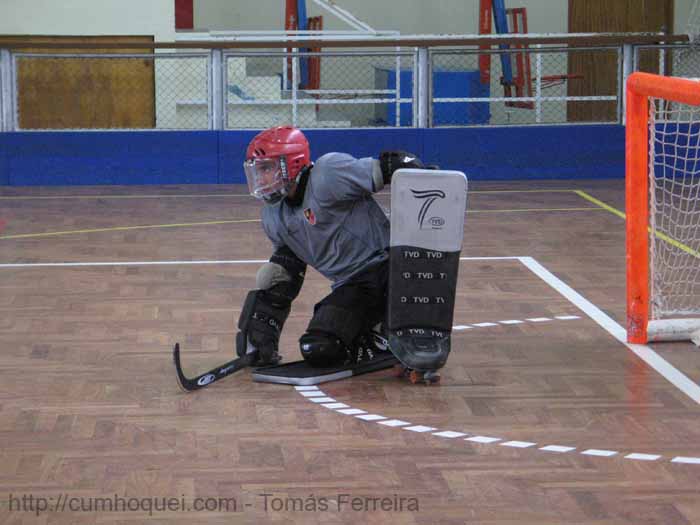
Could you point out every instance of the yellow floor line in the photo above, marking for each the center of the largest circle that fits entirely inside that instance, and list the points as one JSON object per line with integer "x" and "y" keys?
{"x": 600, "y": 203}
{"x": 124, "y": 228}
{"x": 683, "y": 247}
{"x": 516, "y": 210}
{"x": 238, "y": 221}
{"x": 241, "y": 195}
{"x": 168, "y": 196}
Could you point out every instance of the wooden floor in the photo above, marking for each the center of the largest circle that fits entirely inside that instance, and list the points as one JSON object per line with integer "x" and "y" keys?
{"x": 584, "y": 431}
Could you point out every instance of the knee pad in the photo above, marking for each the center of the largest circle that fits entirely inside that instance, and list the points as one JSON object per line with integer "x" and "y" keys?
{"x": 321, "y": 350}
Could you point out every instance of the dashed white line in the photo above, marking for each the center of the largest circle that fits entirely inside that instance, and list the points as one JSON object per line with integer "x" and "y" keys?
{"x": 342, "y": 408}
{"x": 449, "y": 434}
{"x": 335, "y": 406}
{"x": 643, "y": 457}
{"x": 394, "y": 423}
{"x": 321, "y": 399}
{"x": 420, "y": 428}
{"x": 352, "y": 411}
{"x": 600, "y": 453}
{"x": 518, "y": 444}
{"x": 483, "y": 439}
{"x": 682, "y": 459}
{"x": 312, "y": 393}
{"x": 557, "y": 448}
{"x": 507, "y": 322}
{"x": 371, "y": 417}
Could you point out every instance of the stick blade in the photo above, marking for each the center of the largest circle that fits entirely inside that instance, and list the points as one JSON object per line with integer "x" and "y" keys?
{"x": 182, "y": 381}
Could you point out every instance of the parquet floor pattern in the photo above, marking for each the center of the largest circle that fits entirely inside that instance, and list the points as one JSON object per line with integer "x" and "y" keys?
{"x": 89, "y": 406}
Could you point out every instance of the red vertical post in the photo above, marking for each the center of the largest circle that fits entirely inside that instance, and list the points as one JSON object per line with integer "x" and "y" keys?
{"x": 485, "y": 14}
{"x": 291, "y": 23}
{"x": 184, "y": 14}
{"x": 637, "y": 208}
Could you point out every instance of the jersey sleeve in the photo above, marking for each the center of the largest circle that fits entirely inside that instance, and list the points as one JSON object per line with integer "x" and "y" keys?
{"x": 343, "y": 177}
{"x": 269, "y": 227}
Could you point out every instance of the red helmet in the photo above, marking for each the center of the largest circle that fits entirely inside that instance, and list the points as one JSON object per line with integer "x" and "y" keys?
{"x": 274, "y": 160}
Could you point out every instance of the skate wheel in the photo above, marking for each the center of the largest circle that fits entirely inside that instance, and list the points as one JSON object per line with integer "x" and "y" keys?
{"x": 427, "y": 378}
{"x": 414, "y": 377}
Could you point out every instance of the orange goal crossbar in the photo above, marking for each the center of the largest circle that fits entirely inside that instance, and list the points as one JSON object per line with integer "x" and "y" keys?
{"x": 641, "y": 86}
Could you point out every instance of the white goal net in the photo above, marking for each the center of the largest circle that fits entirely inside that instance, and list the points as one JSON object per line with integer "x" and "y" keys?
{"x": 674, "y": 209}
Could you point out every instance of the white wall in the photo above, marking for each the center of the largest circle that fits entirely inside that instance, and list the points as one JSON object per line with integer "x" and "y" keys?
{"x": 681, "y": 12}
{"x": 407, "y": 16}
{"x": 89, "y": 17}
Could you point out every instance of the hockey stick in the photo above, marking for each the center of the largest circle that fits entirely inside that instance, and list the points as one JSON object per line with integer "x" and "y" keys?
{"x": 207, "y": 378}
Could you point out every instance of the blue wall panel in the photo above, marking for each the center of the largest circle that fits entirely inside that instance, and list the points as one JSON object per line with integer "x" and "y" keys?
{"x": 232, "y": 147}
{"x": 591, "y": 151}
{"x": 4, "y": 171}
{"x": 357, "y": 142}
{"x": 210, "y": 157}
{"x": 67, "y": 158}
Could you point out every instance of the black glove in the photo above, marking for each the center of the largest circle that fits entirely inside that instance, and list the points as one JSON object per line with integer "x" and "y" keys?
{"x": 260, "y": 326}
{"x": 390, "y": 161}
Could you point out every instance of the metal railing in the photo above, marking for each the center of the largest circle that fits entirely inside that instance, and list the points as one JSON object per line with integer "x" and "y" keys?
{"x": 225, "y": 85}
{"x": 549, "y": 85}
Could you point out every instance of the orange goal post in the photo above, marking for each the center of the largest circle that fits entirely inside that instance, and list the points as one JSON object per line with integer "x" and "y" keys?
{"x": 663, "y": 208}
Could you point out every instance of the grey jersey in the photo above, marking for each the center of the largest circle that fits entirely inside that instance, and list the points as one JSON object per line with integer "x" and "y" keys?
{"x": 339, "y": 229}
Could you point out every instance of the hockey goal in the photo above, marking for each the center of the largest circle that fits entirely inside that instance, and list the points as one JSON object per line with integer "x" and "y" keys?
{"x": 663, "y": 208}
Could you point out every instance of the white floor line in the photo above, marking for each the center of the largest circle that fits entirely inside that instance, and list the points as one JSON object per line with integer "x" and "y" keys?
{"x": 654, "y": 360}
{"x": 126, "y": 263}
{"x": 185, "y": 263}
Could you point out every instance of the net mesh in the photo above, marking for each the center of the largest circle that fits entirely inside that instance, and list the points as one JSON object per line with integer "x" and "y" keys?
{"x": 674, "y": 213}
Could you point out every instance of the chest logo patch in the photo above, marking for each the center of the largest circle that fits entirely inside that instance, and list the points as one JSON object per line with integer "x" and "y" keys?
{"x": 310, "y": 216}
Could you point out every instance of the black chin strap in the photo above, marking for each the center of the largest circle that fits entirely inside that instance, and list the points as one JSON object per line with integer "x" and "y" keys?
{"x": 301, "y": 186}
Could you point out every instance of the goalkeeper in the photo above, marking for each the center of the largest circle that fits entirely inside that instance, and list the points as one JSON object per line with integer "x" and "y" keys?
{"x": 320, "y": 214}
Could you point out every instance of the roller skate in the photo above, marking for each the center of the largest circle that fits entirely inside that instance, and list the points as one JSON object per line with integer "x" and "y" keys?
{"x": 416, "y": 377}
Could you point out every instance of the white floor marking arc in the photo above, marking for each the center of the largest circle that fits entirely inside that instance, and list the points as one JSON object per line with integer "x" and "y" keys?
{"x": 643, "y": 457}
{"x": 673, "y": 375}
{"x": 557, "y": 448}
{"x": 483, "y": 439}
{"x": 394, "y": 423}
{"x": 681, "y": 459}
{"x": 420, "y": 428}
{"x": 518, "y": 444}
{"x": 321, "y": 399}
{"x": 371, "y": 417}
{"x": 343, "y": 408}
{"x": 352, "y": 411}
{"x": 601, "y": 453}
{"x": 449, "y": 434}
{"x": 335, "y": 406}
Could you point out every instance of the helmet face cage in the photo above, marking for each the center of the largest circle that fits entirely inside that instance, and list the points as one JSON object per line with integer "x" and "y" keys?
{"x": 267, "y": 177}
